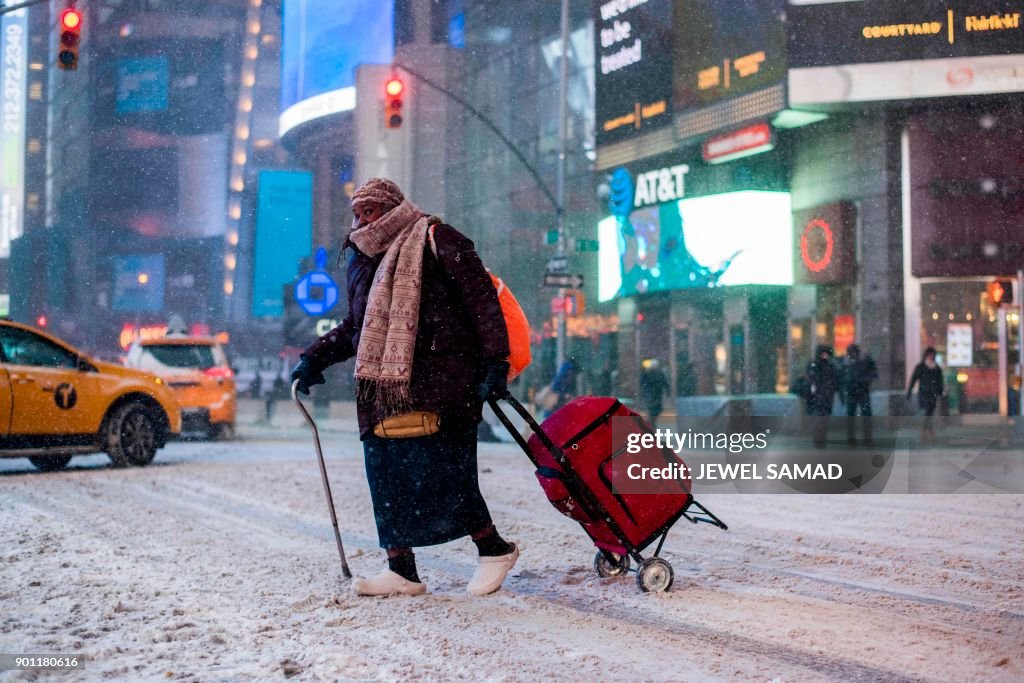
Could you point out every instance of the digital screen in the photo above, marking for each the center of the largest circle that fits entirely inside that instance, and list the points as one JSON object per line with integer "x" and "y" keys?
{"x": 897, "y": 30}
{"x": 139, "y": 283}
{"x": 284, "y": 236}
{"x": 161, "y": 85}
{"x": 633, "y": 66}
{"x": 323, "y": 42}
{"x": 736, "y": 238}
{"x": 13, "y": 70}
{"x": 142, "y": 84}
{"x": 725, "y": 48}
{"x": 141, "y": 180}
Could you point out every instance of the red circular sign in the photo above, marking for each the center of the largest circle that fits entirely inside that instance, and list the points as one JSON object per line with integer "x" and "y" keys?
{"x": 816, "y": 265}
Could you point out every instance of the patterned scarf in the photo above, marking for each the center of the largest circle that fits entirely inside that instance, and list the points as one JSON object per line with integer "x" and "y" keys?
{"x": 388, "y": 339}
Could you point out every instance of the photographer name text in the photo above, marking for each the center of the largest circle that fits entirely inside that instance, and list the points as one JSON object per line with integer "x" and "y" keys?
{"x": 748, "y": 471}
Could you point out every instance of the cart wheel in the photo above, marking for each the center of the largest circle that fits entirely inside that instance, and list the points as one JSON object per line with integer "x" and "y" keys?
{"x": 654, "y": 575}
{"x": 606, "y": 567}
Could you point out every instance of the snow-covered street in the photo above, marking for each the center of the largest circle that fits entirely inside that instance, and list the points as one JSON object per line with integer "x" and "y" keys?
{"x": 218, "y": 563}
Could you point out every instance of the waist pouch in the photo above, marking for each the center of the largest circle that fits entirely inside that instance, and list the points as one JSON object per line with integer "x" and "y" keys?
{"x": 408, "y": 425}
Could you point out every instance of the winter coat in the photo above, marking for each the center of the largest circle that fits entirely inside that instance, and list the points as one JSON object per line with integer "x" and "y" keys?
{"x": 824, "y": 379}
{"x": 653, "y": 385}
{"x": 858, "y": 375}
{"x": 461, "y": 328}
{"x": 932, "y": 384}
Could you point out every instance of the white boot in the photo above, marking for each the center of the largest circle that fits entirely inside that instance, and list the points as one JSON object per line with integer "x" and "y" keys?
{"x": 491, "y": 572}
{"x": 387, "y": 583}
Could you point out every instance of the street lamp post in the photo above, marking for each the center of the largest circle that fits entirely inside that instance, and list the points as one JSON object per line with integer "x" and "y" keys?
{"x": 563, "y": 84}
{"x": 558, "y": 200}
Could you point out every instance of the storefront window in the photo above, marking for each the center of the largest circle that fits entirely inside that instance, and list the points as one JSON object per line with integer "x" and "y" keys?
{"x": 959, "y": 321}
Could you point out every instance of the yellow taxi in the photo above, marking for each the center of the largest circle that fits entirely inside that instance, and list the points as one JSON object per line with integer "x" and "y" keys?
{"x": 56, "y": 402}
{"x": 197, "y": 369}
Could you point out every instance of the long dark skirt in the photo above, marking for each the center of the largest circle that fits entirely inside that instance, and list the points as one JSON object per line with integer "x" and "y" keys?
{"x": 425, "y": 490}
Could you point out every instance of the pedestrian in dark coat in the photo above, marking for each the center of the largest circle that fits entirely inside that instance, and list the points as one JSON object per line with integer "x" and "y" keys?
{"x": 824, "y": 378}
{"x": 653, "y": 387}
{"x": 858, "y": 374}
{"x": 428, "y": 334}
{"x": 927, "y": 376}
{"x": 564, "y": 383}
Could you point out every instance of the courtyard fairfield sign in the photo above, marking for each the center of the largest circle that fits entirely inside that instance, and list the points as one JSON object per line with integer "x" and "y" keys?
{"x": 876, "y": 31}
{"x": 994, "y": 22}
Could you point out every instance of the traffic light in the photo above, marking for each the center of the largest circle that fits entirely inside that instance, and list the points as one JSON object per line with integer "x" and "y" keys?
{"x": 393, "y": 89}
{"x": 575, "y": 303}
{"x": 1000, "y": 292}
{"x": 70, "y": 27}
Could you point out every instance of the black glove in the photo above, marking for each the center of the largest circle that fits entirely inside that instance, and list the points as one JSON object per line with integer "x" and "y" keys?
{"x": 494, "y": 384}
{"x": 307, "y": 376}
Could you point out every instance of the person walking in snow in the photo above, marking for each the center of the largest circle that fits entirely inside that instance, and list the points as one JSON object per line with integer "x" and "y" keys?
{"x": 653, "y": 387}
{"x": 858, "y": 372}
{"x": 824, "y": 378}
{"x": 927, "y": 376}
{"x": 428, "y": 334}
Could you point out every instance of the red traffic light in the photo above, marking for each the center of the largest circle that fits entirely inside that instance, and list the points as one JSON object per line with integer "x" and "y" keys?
{"x": 41, "y": 321}
{"x": 1000, "y": 292}
{"x": 70, "y": 36}
{"x": 393, "y": 89}
{"x": 71, "y": 19}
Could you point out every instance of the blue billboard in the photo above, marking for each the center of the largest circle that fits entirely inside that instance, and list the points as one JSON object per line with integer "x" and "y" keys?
{"x": 142, "y": 84}
{"x": 284, "y": 236}
{"x": 323, "y": 42}
{"x": 139, "y": 283}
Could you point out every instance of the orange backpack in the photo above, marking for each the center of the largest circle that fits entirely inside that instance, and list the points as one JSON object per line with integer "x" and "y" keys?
{"x": 515, "y": 321}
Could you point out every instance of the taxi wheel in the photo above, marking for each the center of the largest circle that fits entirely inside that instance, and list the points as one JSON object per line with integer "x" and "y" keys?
{"x": 131, "y": 435}
{"x": 222, "y": 431}
{"x": 49, "y": 463}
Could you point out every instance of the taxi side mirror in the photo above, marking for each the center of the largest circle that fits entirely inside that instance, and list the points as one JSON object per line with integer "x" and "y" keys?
{"x": 85, "y": 366}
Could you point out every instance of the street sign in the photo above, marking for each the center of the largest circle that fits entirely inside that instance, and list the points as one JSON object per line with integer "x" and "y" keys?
{"x": 583, "y": 245}
{"x": 557, "y": 264}
{"x": 551, "y": 237}
{"x": 563, "y": 280}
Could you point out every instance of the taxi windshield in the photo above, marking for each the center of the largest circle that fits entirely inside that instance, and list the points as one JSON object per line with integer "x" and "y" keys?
{"x": 198, "y": 356}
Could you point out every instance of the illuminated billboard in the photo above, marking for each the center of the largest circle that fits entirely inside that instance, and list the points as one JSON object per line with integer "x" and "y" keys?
{"x": 323, "y": 42}
{"x": 139, "y": 283}
{"x": 162, "y": 85}
{"x": 633, "y": 44}
{"x": 284, "y": 236}
{"x": 900, "y": 49}
{"x": 142, "y": 84}
{"x": 735, "y": 238}
{"x": 726, "y": 48}
{"x": 14, "y": 44}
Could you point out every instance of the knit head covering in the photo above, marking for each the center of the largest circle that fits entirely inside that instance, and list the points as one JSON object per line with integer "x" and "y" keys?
{"x": 379, "y": 191}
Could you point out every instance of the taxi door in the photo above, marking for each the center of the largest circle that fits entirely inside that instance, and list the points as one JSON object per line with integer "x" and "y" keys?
{"x": 45, "y": 385}
{"x": 5, "y": 402}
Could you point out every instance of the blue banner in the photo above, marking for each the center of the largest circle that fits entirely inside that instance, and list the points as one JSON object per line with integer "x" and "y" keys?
{"x": 284, "y": 236}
